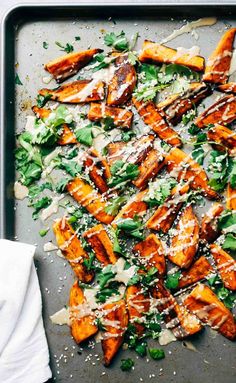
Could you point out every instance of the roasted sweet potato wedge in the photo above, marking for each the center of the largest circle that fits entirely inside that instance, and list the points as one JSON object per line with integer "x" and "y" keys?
{"x": 210, "y": 310}
{"x": 99, "y": 170}
{"x": 218, "y": 64}
{"x": 101, "y": 244}
{"x": 138, "y": 304}
{"x": 177, "y": 318}
{"x": 134, "y": 207}
{"x": 198, "y": 271}
{"x": 230, "y": 198}
{"x": 134, "y": 152}
{"x": 223, "y": 111}
{"x": 115, "y": 321}
{"x": 72, "y": 249}
{"x": 176, "y": 105}
{"x": 122, "y": 118}
{"x": 150, "y": 115}
{"x": 68, "y": 65}
{"x": 223, "y": 138}
{"x": 157, "y": 53}
{"x": 184, "y": 244}
{"x": 67, "y": 136}
{"x": 149, "y": 168}
{"x": 209, "y": 230}
{"x": 123, "y": 82}
{"x": 164, "y": 216}
{"x": 150, "y": 253}
{"x": 182, "y": 166}
{"x": 80, "y": 91}
{"x": 82, "y": 324}
{"x": 90, "y": 199}
{"x": 226, "y": 266}
{"x": 230, "y": 87}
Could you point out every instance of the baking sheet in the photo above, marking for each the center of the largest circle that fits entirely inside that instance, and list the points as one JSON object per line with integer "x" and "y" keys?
{"x": 25, "y": 30}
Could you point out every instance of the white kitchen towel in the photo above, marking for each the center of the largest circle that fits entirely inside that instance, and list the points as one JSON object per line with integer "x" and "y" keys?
{"x": 24, "y": 356}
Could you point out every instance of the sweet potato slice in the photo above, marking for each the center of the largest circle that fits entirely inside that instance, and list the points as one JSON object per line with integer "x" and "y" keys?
{"x": 80, "y": 91}
{"x": 122, "y": 118}
{"x": 72, "y": 249}
{"x": 209, "y": 230}
{"x": 210, "y": 310}
{"x": 223, "y": 138}
{"x": 90, "y": 199}
{"x": 164, "y": 216}
{"x": 177, "y": 318}
{"x": 183, "y": 167}
{"x": 122, "y": 84}
{"x": 198, "y": 271}
{"x": 82, "y": 322}
{"x": 184, "y": 244}
{"x": 218, "y": 64}
{"x": 101, "y": 244}
{"x": 157, "y": 53}
{"x": 134, "y": 152}
{"x": 223, "y": 111}
{"x": 66, "y": 137}
{"x": 230, "y": 87}
{"x": 138, "y": 304}
{"x": 230, "y": 198}
{"x": 149, "y": 168}
{"x": 99, "y": 170}
{"x": 226, "y": 266}
{"x": 150, "y": 115}
{"x": 115, "y": 321}
{"x": 134, "y": 207}
{"x": 150, "y": 253}
{"x": 66, "y": 66}
{"x": 176, "y": 105}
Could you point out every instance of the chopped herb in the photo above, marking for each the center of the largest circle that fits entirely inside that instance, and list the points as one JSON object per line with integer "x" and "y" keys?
{"x": 132, "y": 58}
{"x": 141, "y": 349}
{"x": 68, "y": 48}
{"x": 156, "y": 353}
{"x": 39, "y": 205}
{"x": 227, "y": 221}
{"x": 126, "y": 364}
{"x": 42, "y": 100}
{"x": 193, "y": 129}
{"x": 188, "y": 117}
{"x": 35, "y": 190}
{"x": 127, "y": 136}
{"x": 17, "y": 80}
{"x": 229, "y": 242}
{"x": 85, "y": 135}
{"x": 103, "y": 294}
{"x": 102, "y": 61}
{"x": 198, "y": 153}
{"x": 89, "y": 262}
{"x": 159, "y": 190}
{"x": 114, "y": 206}
{"x": 131, "y": 227}
{"x": 226, "y": 296}
{"x": 223, "y": 169}
{"x": 99, "y": 324}
{"x": 45, "y": 45}
{"x": 172, "y": 280}
{"x": 43, "y": 232}
{"x": 71, "y": 167}
{"x": 108, "y": 123}
{"x": 117, "y": 41}
{"x": 115, "y": 237}
{"x": 122, "y": 173}
{"x": 62, "y": 184}
{"x": 105, "y": 276}
{"x": 77, "y": 38}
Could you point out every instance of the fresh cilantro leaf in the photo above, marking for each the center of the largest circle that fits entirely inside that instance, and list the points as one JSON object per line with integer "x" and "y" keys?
{"x": 39, "y": 205}
{"x": 17, "y": 80}
{"x": 77, "y": 38}
{"x": 193, "y": 129}
{"x": 132, "y": 58}
{"x": 62, "y": 184}
{"x": 148, "y": 278}
{"x": 114, "y": 206}
{"x": 227, "y": 221}
{"x": 126, "y": 364}
{"x": 175, "y": 69}
{"x": 198, "y": 155}
{"x": 42, "y": 100}
{"x": 89, "y": 262}
{"x": 117, "y": 41}
{"x": 68, "y": 48}
{"x": 102, "y": 62}
{"x": 148, "y": 91}
{"x": 159, "y": 190}
{"x": 43, "y": 232}
{"x": 188, "y": 117}
{"x": 148, "y": 72}
{"x": 127, "y": 136}
{"x": 122, "y": 172}
{"x": 108, "y": 123}
{"x": 99, "y": 324}
{"x": 35, "y": 190}
{"x": 105, "y": 276}
{"x": 226, "y": 296}
{"x": 156, "y": 353}
{"x": 218, "y": 166}
{"x": 172, "y": 280}
{"x": 85, "y": 135}
{"x": 229, "y": 242}
{"x": 71, "y": 167}
{"x": 131, "y": 227}
{"x": 141, "y": 349}
{"x": 45, "y": 45}
{"x": 115, "y": 237}
{"x": 103, "y": 294}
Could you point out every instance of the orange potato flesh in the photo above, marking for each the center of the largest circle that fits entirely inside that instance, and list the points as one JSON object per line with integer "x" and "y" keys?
{"x": 230, "y": 87}
{"x": 137, "y": 305}
{"x": 198, "y": 271}
{"x": 121, "y": 117}
{"x": 218, "y": 64}
{"x": 164, "y": 216}
{"x": 76, "y": 92}
{"x": 114, "y": 335}
{"x": 82, "y": 326}
{"x": 122, "y": 84}
{"x": 66, "y": 66}
{"x": 150, "y": 253}
{"x": 223, "y": 111}
{"x": 177, "y": 318}
{"x": 176, "y": 105}
{"x": 184, "y": 244}
{"x": 150, "y": 115}
{"x": 157, "y": 53}
{"x": 230, "y": 198}
{"x": 66, "y": 137}
{"x": 225, "y": 137}
{"x": 209, "y": 231}
{"x": 149, "y": 168}
{"x": 101, "y": 244}
{"x": 72, "y": 249}
{"x": 135, "y": 207}
{"x": 210, "y": 310}
{"x": 99, "y": 170}
{"x": 177, "y": 161}
{"x": 226, "y": 266}
{"x": 90, "y": 199}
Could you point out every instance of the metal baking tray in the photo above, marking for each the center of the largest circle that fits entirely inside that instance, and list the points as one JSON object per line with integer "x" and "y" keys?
{"x": 23, "y": 32}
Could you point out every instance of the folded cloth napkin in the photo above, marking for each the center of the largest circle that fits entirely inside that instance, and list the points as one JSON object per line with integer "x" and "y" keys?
{"x": 24, "y": 355}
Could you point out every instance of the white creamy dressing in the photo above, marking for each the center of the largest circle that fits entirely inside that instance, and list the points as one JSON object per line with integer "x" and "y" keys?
{"x": 20, "y": 191}
{"x": 30, "y": 124}
{"x": 51, "y": 209}
{"x": 61, "y": 317}
{"x": 189, "y": 27}
{"x": 49, "y": 246}
{"x": 232, "y": 68}
{"x": 166, "y": 336}
{"x": 191, "y": 52}
{"x": 122, "y": 275}
{"x": 47, "y": 79}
